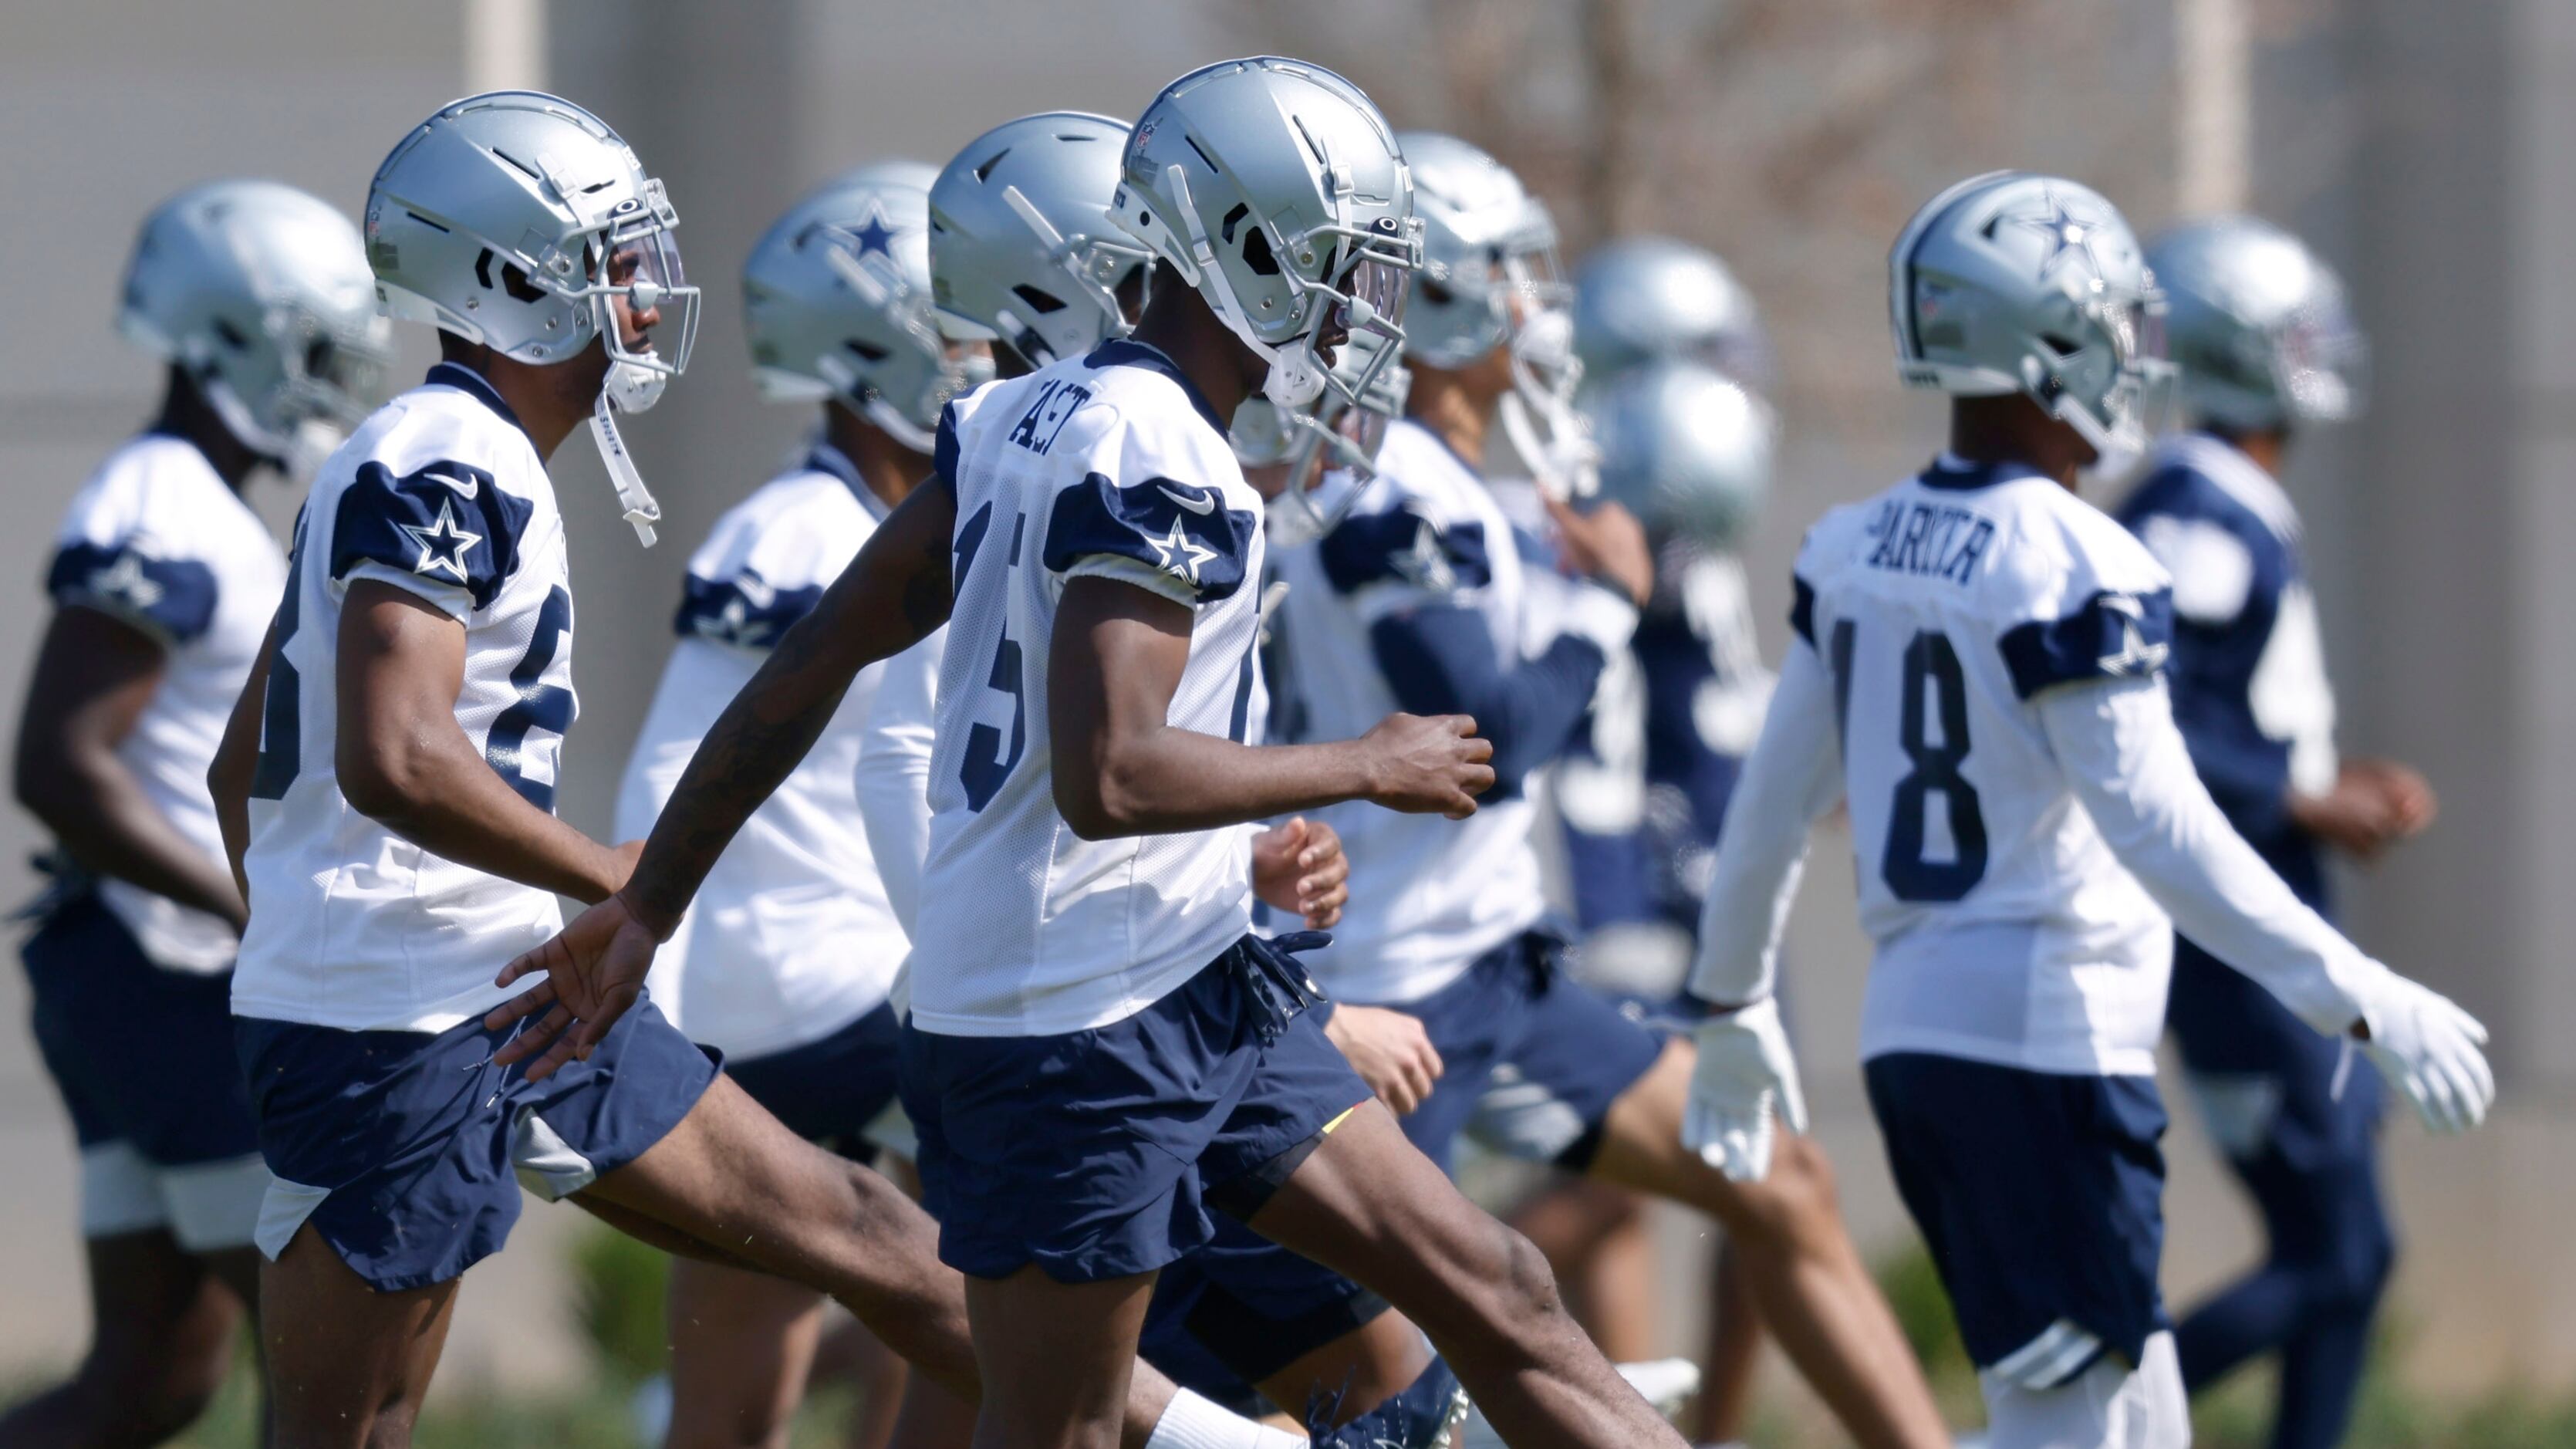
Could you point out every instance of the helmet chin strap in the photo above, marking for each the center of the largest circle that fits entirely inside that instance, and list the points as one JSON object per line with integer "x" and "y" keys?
{"x": 632, "y": 497}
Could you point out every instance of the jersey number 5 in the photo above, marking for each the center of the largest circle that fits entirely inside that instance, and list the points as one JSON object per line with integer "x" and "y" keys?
{"x": 985, "y": 766}
{"x": 1931, "y": 667}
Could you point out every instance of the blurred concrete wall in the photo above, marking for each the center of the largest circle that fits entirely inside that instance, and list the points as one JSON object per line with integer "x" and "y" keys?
{"x": 2419, "y": 144}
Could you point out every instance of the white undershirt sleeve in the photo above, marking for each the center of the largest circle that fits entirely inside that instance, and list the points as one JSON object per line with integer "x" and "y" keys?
{"x": 1792, "y": 778}
{"x": 893, "y": 775}
{"x": 2126, "y": 761}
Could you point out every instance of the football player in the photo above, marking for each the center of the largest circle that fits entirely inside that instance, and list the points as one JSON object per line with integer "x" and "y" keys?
{"x": 256, "y": 298}
{"x": 385, "y": 789}
{"x": 1023, "y": 251}
{"x": 1425, "y": 600}
{"x": 1979, "y": 672}
{"x": 2265, "y": 349}
{"x": 785, "y": 962}
{"x": 1098, "y": 1049}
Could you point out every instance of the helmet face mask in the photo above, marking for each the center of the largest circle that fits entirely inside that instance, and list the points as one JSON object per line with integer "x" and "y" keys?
{"x": 1311, "y": 463}
{"x": 1277, "y": 191}
{"x": 2011, "y": 282}
{"x": 259, "y": 293}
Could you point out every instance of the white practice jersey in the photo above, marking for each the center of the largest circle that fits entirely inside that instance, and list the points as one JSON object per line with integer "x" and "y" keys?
{"x": 1428, "y": 894}
{"x": 1109, "y": 465}
{"x": 158, "y": 540}
{"x": 441, "y": 493}
{"x": 1943, "y": 609}
{"x": 790, "y": 938}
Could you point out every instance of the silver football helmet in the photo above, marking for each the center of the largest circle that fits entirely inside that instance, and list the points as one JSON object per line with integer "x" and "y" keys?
{"x": 2257, "y": 327}
{"x": 836, "y": 303}
{"x": 1686, "y": 449}
{"x": 521, "y": 221}
{"x": 1276, "y": 190}
{"x": 1021, "y": 247}
{"x": 260, "y": 294}
{"x": 1640, "y": 298}
{"x": 2013, "y": 282}
{"x": 1490, "y": 278}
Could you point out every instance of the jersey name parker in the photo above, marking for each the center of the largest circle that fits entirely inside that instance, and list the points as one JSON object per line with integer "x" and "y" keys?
{"x": 157, "y": 540}
{"x": 790, "y": 937}
{"x": 442, "y": 494}
{"x": 1108, "y": 465}
{"x": 1942, "y": 609}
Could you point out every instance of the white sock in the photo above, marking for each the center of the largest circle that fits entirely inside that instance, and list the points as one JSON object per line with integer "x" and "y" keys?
{"x": 1193, "y": 1422}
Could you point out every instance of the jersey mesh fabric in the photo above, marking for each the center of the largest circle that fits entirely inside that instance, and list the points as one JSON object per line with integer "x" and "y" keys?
{"x": 790, "y": 938}
{"x": 439, "y": 493}
{"x": 1425, "y": 533}
{"x": 158, "y": 540}
{"x": 1107, "y": 465}
{"x": 1944, "y": 608}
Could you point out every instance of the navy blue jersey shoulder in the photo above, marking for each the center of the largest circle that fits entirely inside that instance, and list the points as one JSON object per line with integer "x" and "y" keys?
{"x": 446, "y": 521}
{"x": 745, "y": 610}
{"x": 1180, "y": 529}
{"x": 1400, "y": 545}
{"x": 2108, "y": 636}
{"x": 174, "y": 598}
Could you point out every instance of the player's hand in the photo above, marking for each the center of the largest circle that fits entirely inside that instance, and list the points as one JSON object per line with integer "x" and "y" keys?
{"x": 1390, "y": 1051}
{"x": 1299, "y": 866}
{"x": 2429, "y": 1049}
{"x": 1428, "y": 765}
{"x": 1745, "y": 1073}
{"x": 594, "y": 971}
{"x": 2373, "y": 805}
{"x": 1607, "y": 543}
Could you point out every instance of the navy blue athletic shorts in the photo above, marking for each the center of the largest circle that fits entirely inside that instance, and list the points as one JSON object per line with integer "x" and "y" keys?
{"x": 1096, "y": 1154}
{"x": 2041, "y": 1197}
{"x": 406, "y": 1150}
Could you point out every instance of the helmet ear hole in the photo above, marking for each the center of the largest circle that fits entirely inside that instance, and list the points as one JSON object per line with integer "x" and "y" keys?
{"x": 1257, "y": 256}
{"x": 1040, "y": 301}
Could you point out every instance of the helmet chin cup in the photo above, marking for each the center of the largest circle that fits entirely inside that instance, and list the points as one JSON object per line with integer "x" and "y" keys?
{"x": 1296, "y": 375}
{"x": 633, "y": 386}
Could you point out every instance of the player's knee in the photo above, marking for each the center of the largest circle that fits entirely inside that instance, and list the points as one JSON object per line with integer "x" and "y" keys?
{"x": 2352, "y": 1275}
{"x": 1797, "y": 1199}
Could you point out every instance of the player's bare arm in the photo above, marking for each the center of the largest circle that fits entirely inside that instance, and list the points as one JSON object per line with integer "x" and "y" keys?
{"x": 1121, "y": 769}
{"x": 94, "y": 676}
{"x": 895, "y": 592}
{"x": 236, "y": 761}
{"x": 404, "y": 762}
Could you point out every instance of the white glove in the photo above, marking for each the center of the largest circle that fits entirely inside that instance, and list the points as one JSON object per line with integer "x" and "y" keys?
{"x": 1745, "y": 1070}
{"x": 2427, "y": 1047}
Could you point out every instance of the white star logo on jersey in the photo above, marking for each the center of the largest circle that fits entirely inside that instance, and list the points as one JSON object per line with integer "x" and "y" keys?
{"x": 2136, "y": 656}
{"x": 1426, "y": 564}
{"x": 2064, "y": 231}
{"x": 1180, "y": 553}
{"x": 125, "y": 579}
{"x": 443, "y": 545}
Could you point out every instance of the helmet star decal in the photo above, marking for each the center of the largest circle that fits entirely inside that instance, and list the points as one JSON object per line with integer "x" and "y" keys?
{"x": 876, "y": 234}
{"x": 2065, "y": 232}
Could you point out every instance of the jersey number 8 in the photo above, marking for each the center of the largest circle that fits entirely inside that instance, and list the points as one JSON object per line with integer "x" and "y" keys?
{"x": 1931, "y": 666}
